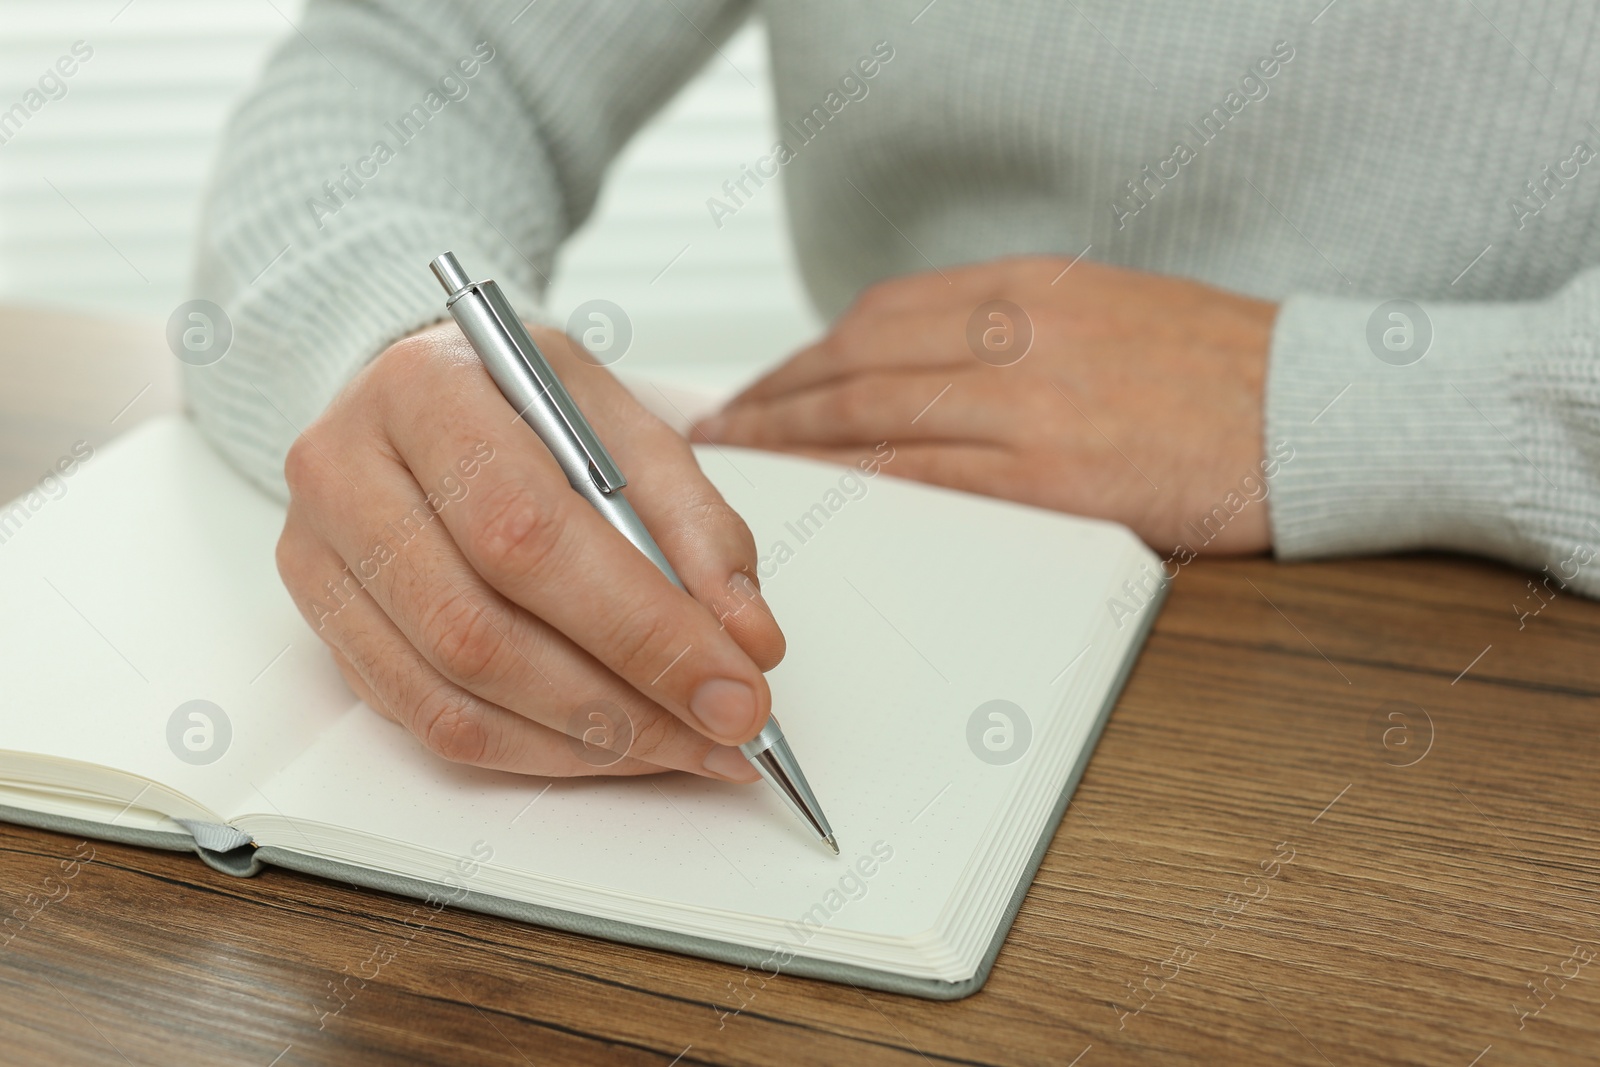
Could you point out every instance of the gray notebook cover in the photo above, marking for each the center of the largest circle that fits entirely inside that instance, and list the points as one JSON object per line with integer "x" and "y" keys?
{"x": 248, "y": 860}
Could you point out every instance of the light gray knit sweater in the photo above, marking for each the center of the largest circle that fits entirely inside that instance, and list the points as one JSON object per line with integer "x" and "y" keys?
{"x": 1334, "y": 158}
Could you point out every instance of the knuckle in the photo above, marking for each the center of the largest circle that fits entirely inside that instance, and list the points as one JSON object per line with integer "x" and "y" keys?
{"x": 409, "y": 354}
{"x": 418, "y": 366}
{"x": 446, "y": 722}
{"x": 653, "y": 734}
{"x": 718, "y": 516}
{"x": 304, "y": 470}
{"x": 642, "y": 646}
{"x": 519, "y": 532}
{"x": 466, "y": 643}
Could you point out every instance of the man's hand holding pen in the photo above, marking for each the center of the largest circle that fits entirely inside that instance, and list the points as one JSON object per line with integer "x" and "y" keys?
{"x": 516, "y": 606}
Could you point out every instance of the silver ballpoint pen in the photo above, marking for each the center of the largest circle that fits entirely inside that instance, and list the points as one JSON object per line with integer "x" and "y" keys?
{"x": 523, "y": 374}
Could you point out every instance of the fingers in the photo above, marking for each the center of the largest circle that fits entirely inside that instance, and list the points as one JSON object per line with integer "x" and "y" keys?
{"x": 913, "y": 321}
{"x": 473, "y": 638}
{"x": 867, "y": 408}
{"x": 542, "y": 547}
{"x": 922, "y": 338}
{"x": 709, "y": 545}
{"x": 387, "y": 671}
{"x": 966, "y": 285}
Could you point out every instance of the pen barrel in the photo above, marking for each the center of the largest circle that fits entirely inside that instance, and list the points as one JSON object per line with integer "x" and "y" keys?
{"x": 529, "y": 385}
{"x": 616, "y": 510}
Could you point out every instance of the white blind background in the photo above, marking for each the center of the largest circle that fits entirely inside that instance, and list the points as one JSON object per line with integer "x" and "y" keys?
{"x": 99, "y": 190}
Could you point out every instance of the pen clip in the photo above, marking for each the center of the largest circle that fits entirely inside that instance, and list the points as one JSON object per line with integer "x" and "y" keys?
{"x": 602, "y": 468}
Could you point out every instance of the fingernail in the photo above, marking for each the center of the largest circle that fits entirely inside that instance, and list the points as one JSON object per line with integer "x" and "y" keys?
{"x": 728, "y": 762}
{"x": 711, "y": 428}
{"x": 726, "y": 708}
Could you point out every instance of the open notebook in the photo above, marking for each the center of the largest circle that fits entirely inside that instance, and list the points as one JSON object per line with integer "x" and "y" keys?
{"x": 150, "y": 583}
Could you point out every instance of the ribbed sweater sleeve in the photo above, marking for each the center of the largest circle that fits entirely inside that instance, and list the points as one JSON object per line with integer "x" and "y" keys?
{"x": 497, "y": 118}
{"x": 386, "y": 131}
{"x": 1489, "y": 443}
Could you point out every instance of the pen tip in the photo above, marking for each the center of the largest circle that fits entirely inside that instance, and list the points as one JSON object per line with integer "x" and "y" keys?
{"x": 832, "y": 844}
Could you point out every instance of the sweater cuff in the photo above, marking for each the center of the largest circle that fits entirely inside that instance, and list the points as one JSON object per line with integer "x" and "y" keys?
{"x": 1398, "y": 419}
{"x": 300, "y": 337}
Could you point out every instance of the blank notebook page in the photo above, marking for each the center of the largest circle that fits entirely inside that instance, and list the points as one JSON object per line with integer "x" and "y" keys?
{"x": 152, "y": 583}
{"x": 905, "y": 609}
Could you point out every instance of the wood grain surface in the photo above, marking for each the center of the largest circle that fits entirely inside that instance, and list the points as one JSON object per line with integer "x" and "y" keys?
{"x": 1344, "y": 813}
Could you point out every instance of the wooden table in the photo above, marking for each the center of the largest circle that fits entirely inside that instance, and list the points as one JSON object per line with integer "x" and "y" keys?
{"x": 1442, "y": 860}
